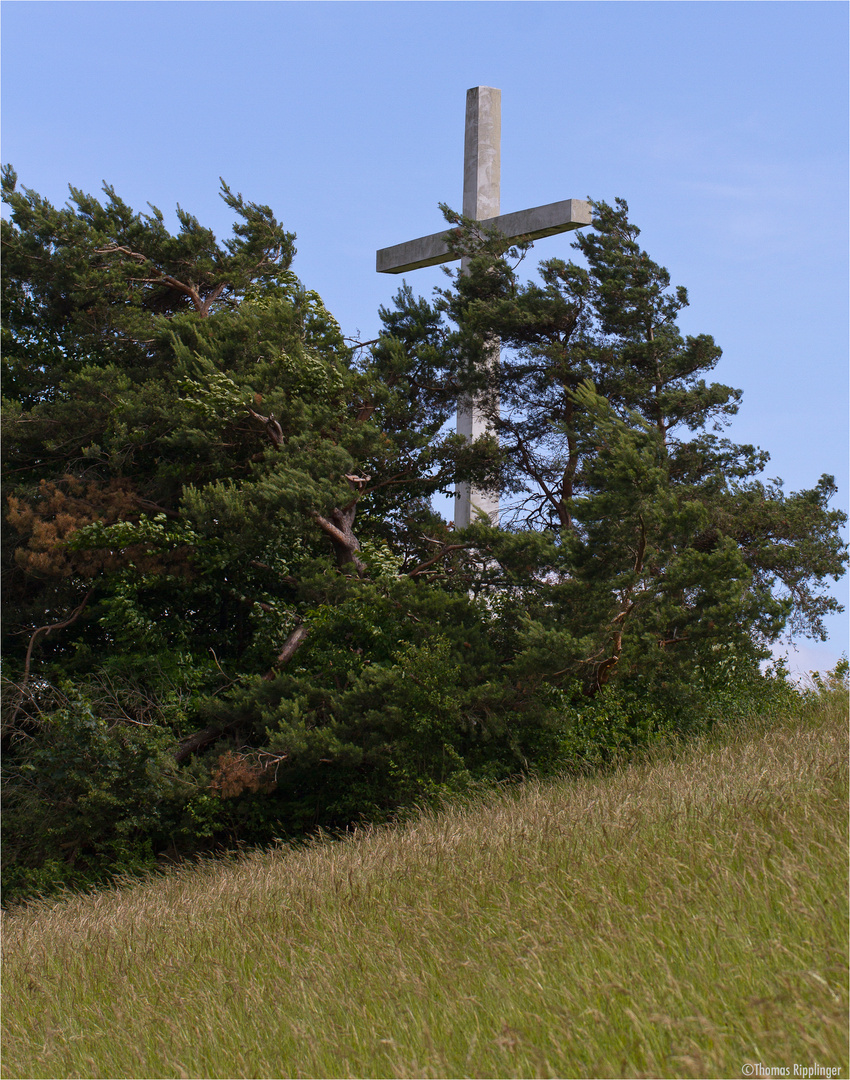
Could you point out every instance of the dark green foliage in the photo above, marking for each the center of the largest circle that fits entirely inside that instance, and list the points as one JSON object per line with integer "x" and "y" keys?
{"x": 231, "y": 615}
{"x": 662, "y": 538}
{"x": 81, "y": 794}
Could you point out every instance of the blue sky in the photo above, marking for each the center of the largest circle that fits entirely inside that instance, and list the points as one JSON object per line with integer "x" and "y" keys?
{"x": 724, "y": 126}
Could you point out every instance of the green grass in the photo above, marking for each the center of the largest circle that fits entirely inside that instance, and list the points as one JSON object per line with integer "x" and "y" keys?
{"x": 683, "y": 917}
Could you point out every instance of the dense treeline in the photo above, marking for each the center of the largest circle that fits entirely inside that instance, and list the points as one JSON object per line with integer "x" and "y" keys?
{"x": 230, "y": 612}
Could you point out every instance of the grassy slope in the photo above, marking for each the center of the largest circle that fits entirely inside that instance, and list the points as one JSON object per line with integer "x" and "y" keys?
{"x": 681, "y": 918}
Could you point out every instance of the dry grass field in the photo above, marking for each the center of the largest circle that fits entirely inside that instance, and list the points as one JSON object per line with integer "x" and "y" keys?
{"x": 685, "y": 916}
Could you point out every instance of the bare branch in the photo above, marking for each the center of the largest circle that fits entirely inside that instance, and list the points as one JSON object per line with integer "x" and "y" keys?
{"x": 197, "y": 741}
{"x": 339, "y": 530}
{"x": 273, "y": 428}
{"x": 447, "y": 549}
{"x": 362, "y": 344}
{"x": 337, "y": 535}
{"x": 75, "y": 614}
{"x": 211, "y": 299}
{"x": 292, "y": 644}
{"x": 146, "y": 504}
{"x": 161, "y": 278}
{"x": 114, "y": 249}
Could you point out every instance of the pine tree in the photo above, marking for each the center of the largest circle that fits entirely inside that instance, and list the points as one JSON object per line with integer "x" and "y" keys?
{"x": 658, "y": 539}
{"x": 220, "y": 554}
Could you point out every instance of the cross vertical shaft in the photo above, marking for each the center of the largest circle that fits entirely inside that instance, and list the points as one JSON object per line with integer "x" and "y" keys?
{"x": 481, "y": 195}
{"x": 482, "y": 155}
{"x": 481, "y": 176}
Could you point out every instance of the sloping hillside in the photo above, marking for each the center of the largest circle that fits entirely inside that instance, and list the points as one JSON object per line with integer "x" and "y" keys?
{"x": 684, "y": 917}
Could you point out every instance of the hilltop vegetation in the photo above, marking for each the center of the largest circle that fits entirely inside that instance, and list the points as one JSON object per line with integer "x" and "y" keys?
{"x": 231, "y": 612}
{"x": 683, "y": 916}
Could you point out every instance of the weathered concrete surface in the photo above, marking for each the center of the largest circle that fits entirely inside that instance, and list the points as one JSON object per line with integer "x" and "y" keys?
{"x": 482, "y": 174}
{"x": 482, "y": 153}
{"x": 540, "y": 221}
{"x": 473, "y": 421}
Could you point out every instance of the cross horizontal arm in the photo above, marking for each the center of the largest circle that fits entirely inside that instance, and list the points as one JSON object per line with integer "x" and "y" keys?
{"x": 540, "y": 221}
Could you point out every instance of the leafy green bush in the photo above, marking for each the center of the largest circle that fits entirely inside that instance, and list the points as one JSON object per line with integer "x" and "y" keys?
{"x": 729, "y": 684}
{"x": 82, "y": 794}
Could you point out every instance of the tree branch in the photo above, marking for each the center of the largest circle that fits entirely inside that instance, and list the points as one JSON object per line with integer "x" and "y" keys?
{"x": 75, "y": 614}
{"x": 199, "y": 739}
{"x": 146, "y": 504}
{"x": 345, "y": 543}
{"x": 211, "y": 299}
{"x": 292, "y": 644}
{"x": 273, "y": 428}
{"x": 190, "y": 290}
{"x": 436, "y": 558}
{"x": 114, "y": 249}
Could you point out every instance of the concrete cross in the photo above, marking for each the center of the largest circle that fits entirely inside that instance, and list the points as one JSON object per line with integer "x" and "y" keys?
{"x": 481, "y": 183}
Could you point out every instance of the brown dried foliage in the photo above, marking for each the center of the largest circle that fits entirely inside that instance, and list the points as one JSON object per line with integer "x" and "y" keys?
{"x": 235, "y": 773}
{"x": 62, "y": 508}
